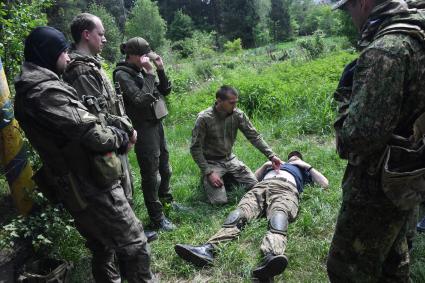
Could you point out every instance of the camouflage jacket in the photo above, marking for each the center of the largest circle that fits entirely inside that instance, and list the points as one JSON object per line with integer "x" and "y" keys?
{"x": 86, "y": 75}
{"x": 139, "y": 90}
{"x": 215, "y": 133}
{"x": 53, "y": 118}
{"x": 388, "y": 89}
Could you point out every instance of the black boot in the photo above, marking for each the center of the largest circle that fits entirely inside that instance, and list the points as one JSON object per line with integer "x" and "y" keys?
{"x": 164, "y": 224}
{"x": 197, "y": 255}
{"x": 271, "y": 266}
{"x": 151, "y": 235}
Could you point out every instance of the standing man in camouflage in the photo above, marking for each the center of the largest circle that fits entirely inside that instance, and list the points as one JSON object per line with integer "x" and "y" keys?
{"x": 277, "y": 197}
{"x": 212, "y": 140}
{"x": 86, "y": 75}
{"x": 74, "y": 146}
{"x": 141, "y": 88}
{"x": 382, "y": 95}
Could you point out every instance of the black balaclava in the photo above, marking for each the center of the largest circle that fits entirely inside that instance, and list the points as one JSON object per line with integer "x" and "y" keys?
{"x": 43, "y": 47}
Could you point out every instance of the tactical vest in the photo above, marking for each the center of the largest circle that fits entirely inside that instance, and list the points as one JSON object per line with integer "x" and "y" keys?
{"x": 403, "y": 162}
{"x": 108, "y": 94}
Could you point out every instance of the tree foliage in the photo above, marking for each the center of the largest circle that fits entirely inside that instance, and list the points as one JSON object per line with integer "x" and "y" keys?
{"x": 61, "y": 13}
{"x": 280, "y": 20}
{"x": 113, "y": 36}
{"x": 145, "y": 21}
{"x": 17, "y": 19}
{"x": 181, "y": 27}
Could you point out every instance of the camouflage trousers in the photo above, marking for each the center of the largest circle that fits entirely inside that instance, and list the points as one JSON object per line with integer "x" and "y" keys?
{"x": 113, "y": 233}
{"x": 265, "y": 198}
{"x": 235, "y": 169}
{"x": 369, "y": 244}
{"x": 153, "y": 158}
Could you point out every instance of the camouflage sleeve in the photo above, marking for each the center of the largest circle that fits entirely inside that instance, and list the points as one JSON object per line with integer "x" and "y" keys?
{"x": 164, "y": 86}
{"x": 88, "y": 83}
{"x": 375, "y": 103}
{"x": 72, "y": 119}
{"x": 253, "y": 136}
{"x": 196, "y": 147}
{"x": 136, "y": 95}
{"x": 121, "y": 122}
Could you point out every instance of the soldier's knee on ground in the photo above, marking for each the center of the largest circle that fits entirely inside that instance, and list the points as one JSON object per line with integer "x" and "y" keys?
{"x": 236, "y": 218}
{"x": 278, "y": 223}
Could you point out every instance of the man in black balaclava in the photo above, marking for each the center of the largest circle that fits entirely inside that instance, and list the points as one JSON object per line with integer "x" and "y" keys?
{"x": 44, "y": 46}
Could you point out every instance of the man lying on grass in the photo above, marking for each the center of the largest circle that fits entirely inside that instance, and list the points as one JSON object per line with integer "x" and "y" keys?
{"x": 276, "y": 196}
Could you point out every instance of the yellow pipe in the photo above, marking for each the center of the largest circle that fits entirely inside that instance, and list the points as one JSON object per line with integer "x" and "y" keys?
{"x": 13, "y": 155}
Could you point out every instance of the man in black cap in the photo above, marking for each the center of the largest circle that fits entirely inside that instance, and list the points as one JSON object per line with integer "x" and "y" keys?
{"x": 142, "y": 92}
{"x": 80, "y": 165}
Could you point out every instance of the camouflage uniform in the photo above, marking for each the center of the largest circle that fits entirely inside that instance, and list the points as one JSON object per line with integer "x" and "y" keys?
{"x": 69, "y": 139}
{"x": 386, "y": 97}
{"x": 266, "y": 197}
{"x": 86, "y": 75}
{"x": 139, "y": 91}
{"x": 212, "y": 140}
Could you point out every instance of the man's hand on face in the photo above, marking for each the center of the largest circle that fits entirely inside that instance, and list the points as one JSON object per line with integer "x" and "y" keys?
{"x": 146, "y": 64}
{"x": 276, "y": 162}
{"x": 159, "y": 64}
{"x": 215, "y": 180}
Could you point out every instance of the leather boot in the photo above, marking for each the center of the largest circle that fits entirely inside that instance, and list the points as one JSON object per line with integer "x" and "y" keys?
{"x": 197, "y": 255}
{"x": 271, "y": 266}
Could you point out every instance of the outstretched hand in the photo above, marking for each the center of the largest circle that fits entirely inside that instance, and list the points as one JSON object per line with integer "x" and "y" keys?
{"x": 276, "y": 162}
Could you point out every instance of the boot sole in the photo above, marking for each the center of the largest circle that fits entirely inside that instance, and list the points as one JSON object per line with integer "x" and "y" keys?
{"x": 191, "y": 257}
{"x": 274, "y": 267}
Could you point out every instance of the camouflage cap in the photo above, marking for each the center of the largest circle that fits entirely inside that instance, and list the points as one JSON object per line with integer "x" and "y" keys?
{"x": 137, "y": 46}
{"x": 339, "y": 4}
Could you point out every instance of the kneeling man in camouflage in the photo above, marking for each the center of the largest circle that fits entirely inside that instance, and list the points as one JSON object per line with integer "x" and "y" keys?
{"x": 212, "y": 140}
{"x": 276, "y": 196}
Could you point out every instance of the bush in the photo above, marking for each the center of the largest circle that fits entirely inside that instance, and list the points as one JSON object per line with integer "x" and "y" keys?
{"x": 200, "y": 45}
{"x": 313, "y": 46}
{"x": 234, "y": 46}
{"x": 181, "y": 27}
{"x": 17, "y": 19}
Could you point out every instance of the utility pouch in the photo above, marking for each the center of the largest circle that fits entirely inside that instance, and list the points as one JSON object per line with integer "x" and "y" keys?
{"x": 159, "y": 108}
{"x": 106, "y": 169}
{"x": 403, "y": 175}
{"x": 46, "y": 184}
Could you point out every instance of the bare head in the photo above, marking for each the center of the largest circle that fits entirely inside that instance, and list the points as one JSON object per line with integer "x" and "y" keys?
{"x": 226, "y": 99}
{"x": 88, "y": 33}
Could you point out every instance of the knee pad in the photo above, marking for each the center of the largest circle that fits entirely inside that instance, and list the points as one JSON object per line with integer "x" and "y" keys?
{"x": 278, "y": 223}
{"x": 236, "y": 218}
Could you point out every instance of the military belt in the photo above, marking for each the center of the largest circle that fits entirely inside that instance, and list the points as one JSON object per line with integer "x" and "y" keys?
{"x": 281, "y": 179}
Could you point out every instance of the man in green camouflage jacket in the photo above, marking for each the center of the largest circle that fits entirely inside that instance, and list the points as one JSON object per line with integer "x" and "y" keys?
{"x": 212, "y": 140}
{"x": 86, "y": 75}
{"x": 386, "y": 95}
{"x": 74, "y": 146}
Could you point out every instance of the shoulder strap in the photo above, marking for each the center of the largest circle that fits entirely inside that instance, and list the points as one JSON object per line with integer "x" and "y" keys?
{"x": 124, "y": 69}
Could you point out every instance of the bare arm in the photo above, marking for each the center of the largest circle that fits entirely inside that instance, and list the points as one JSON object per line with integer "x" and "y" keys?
{"x": 316, "y": 176}
{"x": 260, "y": 171}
